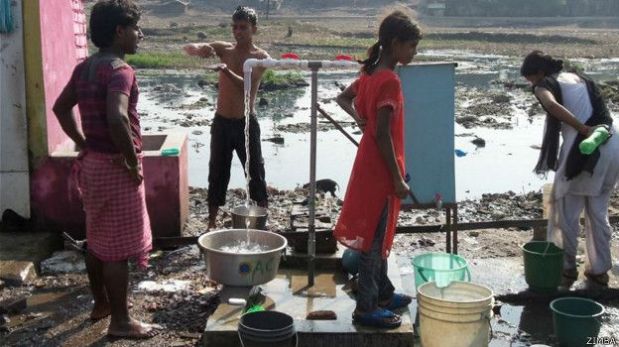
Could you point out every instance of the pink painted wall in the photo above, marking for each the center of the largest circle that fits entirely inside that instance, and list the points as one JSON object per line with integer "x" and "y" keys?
{"x": 58, "y": 206}
{"x": 63, "y": 45}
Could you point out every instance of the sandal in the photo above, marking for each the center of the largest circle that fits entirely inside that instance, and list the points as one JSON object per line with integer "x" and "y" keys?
{"x": 397, "y": 302}
{"x": 600, "y": 279}
{"x": 379, "y": 318}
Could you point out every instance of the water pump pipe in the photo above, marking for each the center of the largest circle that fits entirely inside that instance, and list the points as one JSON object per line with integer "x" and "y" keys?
{"x": 313, "y": 66}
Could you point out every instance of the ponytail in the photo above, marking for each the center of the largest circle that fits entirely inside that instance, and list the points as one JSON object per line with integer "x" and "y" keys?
{"x": 537, "y": 61}
{"x": 374, "y": 53}
{"x": 396, "y": 26}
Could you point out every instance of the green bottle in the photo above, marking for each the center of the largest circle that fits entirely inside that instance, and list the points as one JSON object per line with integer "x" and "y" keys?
{"x": 598, "y": 137}
{"x": 254, "y": 300}
{"x": 255, "y": 308}
{"x": 169, "y": 152}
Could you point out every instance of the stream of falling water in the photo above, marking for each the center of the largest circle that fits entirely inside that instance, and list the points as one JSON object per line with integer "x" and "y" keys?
{"x": 247, "y": 110}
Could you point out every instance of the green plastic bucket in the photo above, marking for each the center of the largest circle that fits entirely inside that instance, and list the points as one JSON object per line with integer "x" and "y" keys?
{"x": 576, "y": 320}
{"x": 543, "y": 262}
{"x": 441, "y": 268}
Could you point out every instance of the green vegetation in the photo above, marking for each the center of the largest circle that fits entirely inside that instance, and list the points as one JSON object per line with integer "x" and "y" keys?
{"x": 272, "y": 80}
{"x": 290, "y": 77}
{"x": 162, "y": 60}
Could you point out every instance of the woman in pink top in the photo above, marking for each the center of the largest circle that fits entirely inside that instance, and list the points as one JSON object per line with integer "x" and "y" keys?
{"x": 109, "y": 166}
{"x": 372, "y": 203}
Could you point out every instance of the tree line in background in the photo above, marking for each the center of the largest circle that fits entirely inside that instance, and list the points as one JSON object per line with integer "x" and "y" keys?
{"x": 529, "y": 8}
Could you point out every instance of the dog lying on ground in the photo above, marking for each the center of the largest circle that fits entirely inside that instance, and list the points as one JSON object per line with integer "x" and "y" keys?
{"x": 325, "y": 185}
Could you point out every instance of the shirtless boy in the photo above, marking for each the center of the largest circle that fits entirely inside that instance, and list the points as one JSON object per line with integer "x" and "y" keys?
{"x": 227, "y": 130}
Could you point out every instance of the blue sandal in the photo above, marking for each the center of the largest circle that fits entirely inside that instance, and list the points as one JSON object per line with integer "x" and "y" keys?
{"x": 380, "y": 318}
{"x": 398, "y": 301}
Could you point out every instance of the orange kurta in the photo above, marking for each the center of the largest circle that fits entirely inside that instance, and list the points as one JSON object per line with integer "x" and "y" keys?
{"x": 370, "y": 186}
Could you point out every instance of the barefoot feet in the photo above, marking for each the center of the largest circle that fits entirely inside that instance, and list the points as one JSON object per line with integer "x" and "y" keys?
{"x": 133, "y": 329}
{"x": 100, "y": 311}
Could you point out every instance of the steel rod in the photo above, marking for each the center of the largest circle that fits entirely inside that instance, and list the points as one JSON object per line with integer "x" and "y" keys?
{"x": 311, "y": 240}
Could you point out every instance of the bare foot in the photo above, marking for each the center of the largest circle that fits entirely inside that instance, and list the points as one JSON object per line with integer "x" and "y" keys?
{"x": 100, "y": 311}
{"x": 134, "y": 329}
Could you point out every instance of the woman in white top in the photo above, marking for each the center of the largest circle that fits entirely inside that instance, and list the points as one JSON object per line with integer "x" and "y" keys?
{"x": 575, "y": 107}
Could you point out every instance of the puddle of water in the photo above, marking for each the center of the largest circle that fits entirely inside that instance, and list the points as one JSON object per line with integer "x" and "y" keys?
{"x": 287, "y": 165}
{"x": 524, "y": 325}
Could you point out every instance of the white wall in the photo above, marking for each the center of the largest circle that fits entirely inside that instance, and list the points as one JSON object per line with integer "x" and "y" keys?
{"x": 14, "y": 178}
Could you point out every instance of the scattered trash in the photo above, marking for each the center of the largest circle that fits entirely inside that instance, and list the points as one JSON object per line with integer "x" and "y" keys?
{"x": 169, "y": 286}
{"x": 63, "y": 262}
{"x": 277, "y": 140}
{"x": 460, "y": 153}
{"x": 426, "y": 242}
{"x": 237, "y": 301}
{"x": 479, "y": 142}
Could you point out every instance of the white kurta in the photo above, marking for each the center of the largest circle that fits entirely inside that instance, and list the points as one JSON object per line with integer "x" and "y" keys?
{"x": 606, "y": 172}
{"x": 587, "y": 191}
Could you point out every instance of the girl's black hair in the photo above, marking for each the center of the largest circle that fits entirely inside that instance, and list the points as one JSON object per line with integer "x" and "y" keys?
{"x": 106, "y": 15}
{"x": 398, "y": 26}
{"x": 245, "y": 13}
{"x": 537, "y": 61}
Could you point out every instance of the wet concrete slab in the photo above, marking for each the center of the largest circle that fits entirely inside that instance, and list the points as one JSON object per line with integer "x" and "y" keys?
{"x": 289, "y": 293}
{"x": 505, "y": 276}
{"x": 524, "y": 317}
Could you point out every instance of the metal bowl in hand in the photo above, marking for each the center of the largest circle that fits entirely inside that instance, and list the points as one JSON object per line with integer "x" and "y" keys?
{"x": 249, "y": 217}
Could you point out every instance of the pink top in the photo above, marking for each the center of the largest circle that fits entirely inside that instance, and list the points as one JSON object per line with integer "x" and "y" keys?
{"x": 370, "y": 187}
{"x": 108, "y": 75}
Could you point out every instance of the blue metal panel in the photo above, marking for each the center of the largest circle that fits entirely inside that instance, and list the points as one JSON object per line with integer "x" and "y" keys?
{"x": 429, "y": 91}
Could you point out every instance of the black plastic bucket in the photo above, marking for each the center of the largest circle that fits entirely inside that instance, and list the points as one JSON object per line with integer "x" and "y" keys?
{"x": 268, "y": 329}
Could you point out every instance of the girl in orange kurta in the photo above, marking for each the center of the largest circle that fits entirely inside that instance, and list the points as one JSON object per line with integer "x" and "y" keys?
{"x": 372, "y": 203}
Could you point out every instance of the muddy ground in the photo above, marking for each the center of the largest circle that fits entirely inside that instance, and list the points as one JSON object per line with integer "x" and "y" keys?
{"x": 59, "y": 305}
